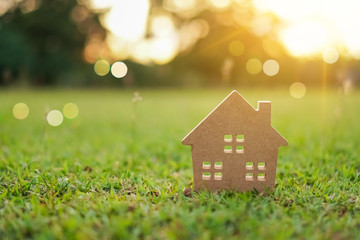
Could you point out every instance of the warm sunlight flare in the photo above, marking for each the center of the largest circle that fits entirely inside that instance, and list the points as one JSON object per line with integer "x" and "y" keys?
{"x": 219, "y": 4}
{"x": 127, "y": 19}
{"x": 305, "y": 38}
{"x": 163, "y": 50}
{"x": 308, "y": 27}
{"x": 127, "y": 22}
{"x": 20, "y": 111}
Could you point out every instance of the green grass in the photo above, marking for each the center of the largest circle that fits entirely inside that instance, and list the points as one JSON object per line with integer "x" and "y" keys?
{"x": 118, "y": 171}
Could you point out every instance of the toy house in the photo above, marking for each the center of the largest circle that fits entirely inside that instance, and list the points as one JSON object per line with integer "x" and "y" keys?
{"x": 235, "y": 147}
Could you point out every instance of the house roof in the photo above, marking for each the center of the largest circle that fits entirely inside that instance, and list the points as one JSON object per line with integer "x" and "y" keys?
{"x": 232, "y": 103}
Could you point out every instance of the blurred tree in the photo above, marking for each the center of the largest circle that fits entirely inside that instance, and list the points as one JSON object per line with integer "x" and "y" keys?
{"x": 43, "y": 41}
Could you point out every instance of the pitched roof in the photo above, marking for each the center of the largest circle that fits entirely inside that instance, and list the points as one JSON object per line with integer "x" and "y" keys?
{"x": 234, "y": 101}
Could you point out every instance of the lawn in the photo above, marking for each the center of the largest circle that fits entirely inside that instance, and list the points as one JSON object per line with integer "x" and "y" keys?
{"x": 118, "y": 170}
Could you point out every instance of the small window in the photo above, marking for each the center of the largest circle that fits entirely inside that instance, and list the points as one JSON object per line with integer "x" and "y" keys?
{"x": 218, "y": 165}
{"x": 218, "y": 176}
{"x": 261, "y": 166}
{"x": 250, "y": 166}
{"x": 206, "y": 176}
{"x": 249, "y": 177}
{"x": 261, "y": 177}
{"x": 239, "y": 149}
{"x": 228, "y": 149}
{"x": 206, "y": 165}
{"x": 228, "y": 138}
{"x": 240, "y": 138}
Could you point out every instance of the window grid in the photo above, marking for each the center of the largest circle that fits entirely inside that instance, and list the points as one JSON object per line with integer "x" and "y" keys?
{"x": 234, "y": 146}
{"x": 259, "y": 169}
{"x": 206, "y": 176}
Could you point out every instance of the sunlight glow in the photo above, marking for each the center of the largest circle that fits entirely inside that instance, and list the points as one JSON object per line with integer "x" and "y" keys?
{"x": 272, "y": 48}
{"x": 101, "y": 4}
{"x": 119, "y": 69}
{"x": 220, "y": 4}
{"x": 101, "y": 67}
{"x": 127, "y": 19}
{"x": 304, "y": 27}
{"x": 163, "y": 50}
{"x": 70, "y": 110}
{"x": 261, "y": 25}
{"x": 271, "y": 67}
{"x": 127, "y": 22}
{"x": 186, "y": 9}
{"x": 330, "y": 55}
{"x": 164, "y": 45}
{"x": 191, "y": 32}
{"x": 305, "y": 38}
{"x": 308, "y": 27}
{"x": 297, "y": 90}
{"x": 179, "y": 5}
{"x": 141, "y": 52}
{"x": 253, "y": 66}
{"x": 54, "y": 118}
{"x": 162, "y": 25}
{"x": 20, "y": 111}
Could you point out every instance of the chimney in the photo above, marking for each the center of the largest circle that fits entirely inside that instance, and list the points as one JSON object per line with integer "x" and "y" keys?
{"x": 264, "y": 109}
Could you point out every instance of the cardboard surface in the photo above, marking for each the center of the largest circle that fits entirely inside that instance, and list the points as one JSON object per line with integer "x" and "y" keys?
{"x": 235, "y": 147}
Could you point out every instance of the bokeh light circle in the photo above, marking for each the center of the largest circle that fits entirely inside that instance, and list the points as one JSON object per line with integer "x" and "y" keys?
{"x": 54, "y": 118}
{"x": 21, "y": 111}
{"x": 236, "y": 48}
{"x": 271, "y": 67}
{"x": 330, "y": 55}
{"x": 70, "y": 110}
{"x": 119, "y": 69}
{"x": 297, "y": 90}
{"x": 102, "y": 67}
{"x": 253, "y": 66}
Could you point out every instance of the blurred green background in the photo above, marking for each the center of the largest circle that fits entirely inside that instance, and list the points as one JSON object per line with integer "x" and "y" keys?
{"x": 191, "y": 43}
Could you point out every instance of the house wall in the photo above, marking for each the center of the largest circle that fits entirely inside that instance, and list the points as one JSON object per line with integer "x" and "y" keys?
{"x": 258, "y": 148}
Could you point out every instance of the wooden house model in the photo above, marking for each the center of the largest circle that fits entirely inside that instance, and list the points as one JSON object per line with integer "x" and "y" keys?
{"x": 235, "y": 147}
